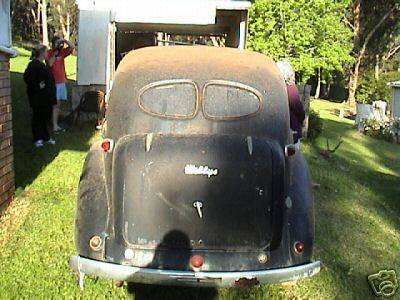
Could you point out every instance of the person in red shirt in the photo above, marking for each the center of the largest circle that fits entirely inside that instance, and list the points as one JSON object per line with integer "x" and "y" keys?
{"x": 55, "y": 59}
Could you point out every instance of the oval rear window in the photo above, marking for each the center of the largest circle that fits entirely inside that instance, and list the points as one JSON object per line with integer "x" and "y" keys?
{"x": 226, "y": 100}
{"x": 170, "y": 99}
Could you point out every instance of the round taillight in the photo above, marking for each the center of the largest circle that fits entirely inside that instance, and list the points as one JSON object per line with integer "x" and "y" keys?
{"x": 298, "y": 247}
{"x": 196, "y": 261}
{"x": 95, "y": 243}
{"x": 262, "y": 258}
{"x": 107, "y": 145}
{"x": 129, "y": 254}
{"x": 290, "y": 150}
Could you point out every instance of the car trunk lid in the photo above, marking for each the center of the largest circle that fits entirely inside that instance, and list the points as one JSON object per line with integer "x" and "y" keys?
{"x": 219, "y": 191}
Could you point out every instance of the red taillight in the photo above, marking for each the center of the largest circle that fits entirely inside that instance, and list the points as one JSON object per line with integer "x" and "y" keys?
{"x": 107, "y": 145}
{"x": 290, "y": 150}
{"x": 298, "y": 247}
{"x": 196, "y": 261}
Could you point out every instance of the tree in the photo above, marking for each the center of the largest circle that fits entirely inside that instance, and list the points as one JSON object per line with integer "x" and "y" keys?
{"x": 310, "y": 34}
{"x": 29, "y": 20}
{"x": 64, "y": 14}
{"x": 369, "y": 20}
{"x": 390, "y": 46}
{"x": 45, "y": 34}
{"x": 36, "y": 20}
{"x": 25, "y": 15}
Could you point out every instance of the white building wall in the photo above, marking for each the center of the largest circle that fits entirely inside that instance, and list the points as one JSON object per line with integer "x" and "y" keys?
{"x": 167, "y": 12}
{"x": 396, "y": 102}
{"x": 194, "y": 12}
{"x": 93, "y": 44}
{"x": 96, "y": 16}
{"x": 5, "y": 23}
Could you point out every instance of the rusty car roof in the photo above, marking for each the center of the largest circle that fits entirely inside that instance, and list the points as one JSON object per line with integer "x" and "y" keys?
{"x": 198, "y": 62}
{"x": 199, "y": 65}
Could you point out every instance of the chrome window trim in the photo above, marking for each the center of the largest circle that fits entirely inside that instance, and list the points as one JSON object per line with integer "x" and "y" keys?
{"x": 166, "y": 83}
{"x": 231, "y": 84}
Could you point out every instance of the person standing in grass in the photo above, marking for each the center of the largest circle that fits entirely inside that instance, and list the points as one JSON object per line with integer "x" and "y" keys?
{"x": 41, "y": 94}
{"x": 55, "y": 59}
{"x": 296, "y": 108}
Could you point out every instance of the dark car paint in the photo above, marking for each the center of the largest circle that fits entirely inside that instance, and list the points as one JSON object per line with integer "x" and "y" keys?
{"x": 158, "y": 196}
{"x": 93, "y": 206}
{"x": 99, "y": 210}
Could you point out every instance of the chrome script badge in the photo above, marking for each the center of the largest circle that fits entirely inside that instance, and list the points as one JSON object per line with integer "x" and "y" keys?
{"x": 200, "y": 170}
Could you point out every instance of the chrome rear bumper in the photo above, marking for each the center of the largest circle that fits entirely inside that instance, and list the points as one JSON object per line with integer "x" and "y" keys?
{"x": 187, "y": 278}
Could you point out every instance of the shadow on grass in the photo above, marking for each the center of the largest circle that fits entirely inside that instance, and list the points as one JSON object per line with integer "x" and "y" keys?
{"x": 149, "y": 292}
{"x": 168, "y": 256}
{"x": 28, "y": 160}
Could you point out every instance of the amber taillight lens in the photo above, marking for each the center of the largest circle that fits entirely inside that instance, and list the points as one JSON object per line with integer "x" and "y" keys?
{"x": 298, "y": 247}
{"x": 95, "y": 243}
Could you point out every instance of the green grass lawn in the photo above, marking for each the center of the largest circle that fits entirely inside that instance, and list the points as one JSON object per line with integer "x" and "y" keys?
{"x": 357, "y": 215}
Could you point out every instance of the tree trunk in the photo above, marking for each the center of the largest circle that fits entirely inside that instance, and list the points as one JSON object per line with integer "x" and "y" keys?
{"x": 45, "y": 35}
{"x": 354, "y": 77}
{"x": 391, "y": 53}
{"x": 357, "y": 23}
{"x": 377, "y": 67}
{"x": 68, "y": 27}
{"x": 65, "y": 20}
{"x": 318, "y": 90}
{"x": 35, "y": 12}
{"x": 353, "y": 85}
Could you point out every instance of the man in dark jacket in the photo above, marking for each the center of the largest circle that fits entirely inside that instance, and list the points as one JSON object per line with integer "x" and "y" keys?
{"x": 41, "y": 94}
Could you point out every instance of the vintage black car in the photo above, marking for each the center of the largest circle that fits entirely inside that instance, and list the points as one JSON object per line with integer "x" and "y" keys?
{"x": 197, "y": 181}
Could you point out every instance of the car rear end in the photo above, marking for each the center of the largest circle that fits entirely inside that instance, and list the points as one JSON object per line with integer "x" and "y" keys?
{"x": 198, "y": 184}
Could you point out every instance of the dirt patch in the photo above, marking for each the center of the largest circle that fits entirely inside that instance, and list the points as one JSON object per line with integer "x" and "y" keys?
{"x": 12, "y": 217}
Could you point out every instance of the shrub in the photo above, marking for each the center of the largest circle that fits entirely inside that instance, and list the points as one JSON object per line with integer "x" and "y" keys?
{"x": 396, "y": 130}
{"x": 396, "y": 125}
{"x": 377, "y": 129}
{"x": 315, "y": 125}
{"x": 371, "y": 90}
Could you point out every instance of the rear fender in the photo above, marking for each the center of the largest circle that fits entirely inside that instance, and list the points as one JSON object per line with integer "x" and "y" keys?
{"x": 92, "y": 206}
{"x": 300, "y": 206}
